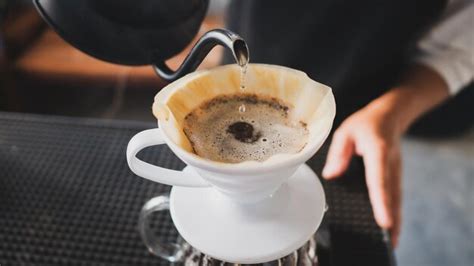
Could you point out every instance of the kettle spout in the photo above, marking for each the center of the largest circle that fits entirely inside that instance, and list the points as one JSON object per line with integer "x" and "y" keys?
{"x": 240, "y": 52}
{"x": 223, "y": 37}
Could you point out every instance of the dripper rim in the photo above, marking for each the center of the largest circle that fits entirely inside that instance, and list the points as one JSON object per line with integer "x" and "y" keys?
{"x": 277, "y": 161}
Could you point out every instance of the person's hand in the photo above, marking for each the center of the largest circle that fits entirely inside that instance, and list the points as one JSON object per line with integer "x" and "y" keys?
{"x": 372, "y": 133}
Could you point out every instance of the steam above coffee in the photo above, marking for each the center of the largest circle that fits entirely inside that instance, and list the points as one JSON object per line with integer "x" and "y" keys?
{"x": 219, "y": 133}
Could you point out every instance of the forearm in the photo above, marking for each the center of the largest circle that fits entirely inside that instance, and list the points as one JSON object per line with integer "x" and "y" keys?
{"x": 418, "y": 92}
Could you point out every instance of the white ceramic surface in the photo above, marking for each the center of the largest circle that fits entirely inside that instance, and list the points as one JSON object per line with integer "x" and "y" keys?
{"x": 250, "y": 233}
{"x": 244, "y": 212}
{"x": 249, "y": 181}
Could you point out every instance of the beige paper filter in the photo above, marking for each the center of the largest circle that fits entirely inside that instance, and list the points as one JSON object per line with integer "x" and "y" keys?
{"x": 309, "y": 101}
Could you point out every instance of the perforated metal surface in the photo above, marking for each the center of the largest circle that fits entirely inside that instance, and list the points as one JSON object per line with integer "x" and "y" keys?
{"x": 67, "y": 197}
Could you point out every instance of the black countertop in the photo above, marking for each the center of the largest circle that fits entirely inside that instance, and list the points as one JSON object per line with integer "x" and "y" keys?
{"x": 67, "y": 197}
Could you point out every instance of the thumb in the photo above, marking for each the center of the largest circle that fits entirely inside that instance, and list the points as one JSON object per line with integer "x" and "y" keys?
{"x": 339, "y": 155}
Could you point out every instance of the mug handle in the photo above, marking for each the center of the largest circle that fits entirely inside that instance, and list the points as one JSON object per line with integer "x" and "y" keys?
{"x": 172, "y": 252}
{"x": 155, "y": 173}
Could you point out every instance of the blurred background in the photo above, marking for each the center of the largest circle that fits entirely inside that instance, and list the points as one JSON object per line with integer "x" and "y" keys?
{"x": 41, "y": 73}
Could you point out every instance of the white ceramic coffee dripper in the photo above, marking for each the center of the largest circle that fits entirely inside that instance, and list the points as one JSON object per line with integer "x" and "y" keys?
{"x": 248, "y": 212}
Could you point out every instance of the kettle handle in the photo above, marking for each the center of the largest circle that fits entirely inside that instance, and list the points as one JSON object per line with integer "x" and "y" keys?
{"x": 204, "y": 45}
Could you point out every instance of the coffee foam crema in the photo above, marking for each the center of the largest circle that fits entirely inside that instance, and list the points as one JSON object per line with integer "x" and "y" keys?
{"x": 218, "y": 131}
{"x": 312, "y": 102}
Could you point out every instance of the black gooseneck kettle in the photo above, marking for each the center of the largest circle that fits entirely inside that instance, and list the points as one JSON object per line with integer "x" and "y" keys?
{"x": 139, "y": 32}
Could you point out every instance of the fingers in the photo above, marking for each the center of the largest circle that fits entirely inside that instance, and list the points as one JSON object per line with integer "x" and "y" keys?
{"x": 382, "y": 167}
{"x": 339, "y": 155}
{"x": 396, "y": 192}
{"x": 376, "y": 171}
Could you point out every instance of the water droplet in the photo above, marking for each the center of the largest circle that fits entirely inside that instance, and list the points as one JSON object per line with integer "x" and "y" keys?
{"x": 243, "y": 73}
